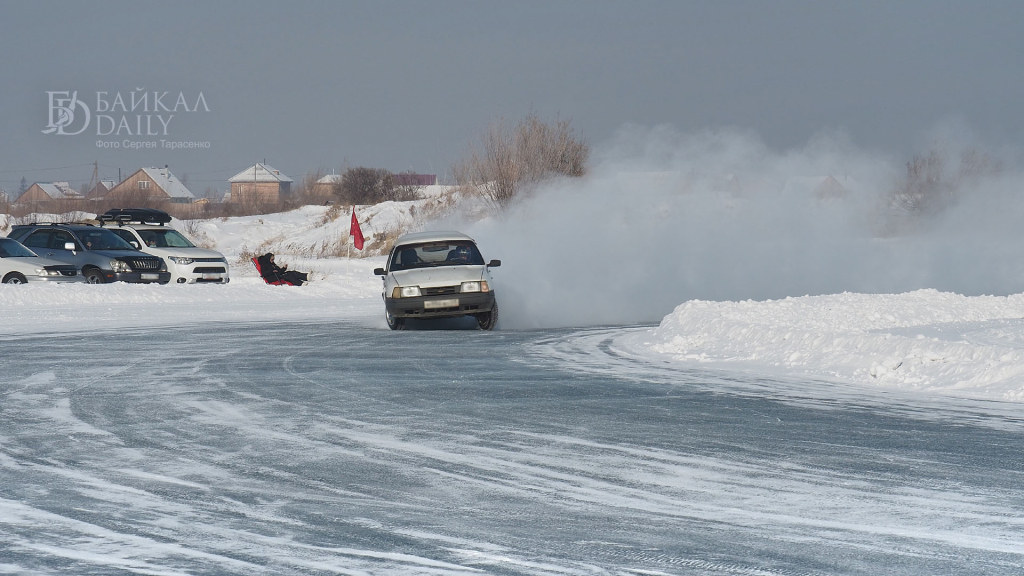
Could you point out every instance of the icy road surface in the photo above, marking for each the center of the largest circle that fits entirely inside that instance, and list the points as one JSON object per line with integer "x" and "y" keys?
{"x": 319, "y": 448}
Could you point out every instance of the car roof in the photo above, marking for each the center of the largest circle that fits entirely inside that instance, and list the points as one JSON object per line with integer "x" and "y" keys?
{"x": 436, "y": 236}
{"x": 70, "y": 226}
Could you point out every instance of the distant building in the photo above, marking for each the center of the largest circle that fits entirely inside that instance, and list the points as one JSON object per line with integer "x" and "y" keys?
{"x": 100, "y": 190}
{"x": 42, "y": 192}
{"x": 259, "y": 182}
{"x": 830, "y": 188}
{"x": 152, "y": 185}
{"x": 821, "y": 187}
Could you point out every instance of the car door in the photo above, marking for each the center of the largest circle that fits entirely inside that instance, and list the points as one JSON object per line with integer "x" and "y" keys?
{"x": 58, "y": 239}
{"x": 38, "y": 241}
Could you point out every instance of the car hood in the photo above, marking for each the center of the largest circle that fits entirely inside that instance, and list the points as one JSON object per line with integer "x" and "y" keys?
{"x": 114, "y": 254}
{"x": 440, "y": 276}
{"x": 184, "y": 252}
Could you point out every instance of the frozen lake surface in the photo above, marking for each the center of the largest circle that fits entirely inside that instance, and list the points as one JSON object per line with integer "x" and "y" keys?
{"x": 337, "y": 447}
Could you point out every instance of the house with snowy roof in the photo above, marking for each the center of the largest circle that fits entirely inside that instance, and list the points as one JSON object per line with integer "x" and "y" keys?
{"x": 820, "y": 187}
{"x": 260, "y": 182}
{"x": 48, "y": 192}
{"x": 153, "y": 185}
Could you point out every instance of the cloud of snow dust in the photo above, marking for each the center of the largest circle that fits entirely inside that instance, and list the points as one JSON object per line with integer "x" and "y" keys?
{"x": 665, "y": 217}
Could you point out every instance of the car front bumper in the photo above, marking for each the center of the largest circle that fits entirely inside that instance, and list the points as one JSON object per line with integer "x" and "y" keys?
{"x": 137, "y": 277}
{"x": 423, "y": 306}
{"x": 199, "y": 272}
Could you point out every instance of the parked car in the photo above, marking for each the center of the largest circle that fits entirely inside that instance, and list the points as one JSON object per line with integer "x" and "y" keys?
{"x": 98, "y": 253}
{"x": 438, "y": 275}
{"x": 147, "y": 230}
{"x": 19, "y": 265}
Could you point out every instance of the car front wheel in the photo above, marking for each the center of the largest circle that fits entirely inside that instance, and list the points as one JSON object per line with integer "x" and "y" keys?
{"x": 94, "y": 277}
{"x": 15, "y": 278}
{"x": 394, "y": 323}
{"x": 488, "y": 320}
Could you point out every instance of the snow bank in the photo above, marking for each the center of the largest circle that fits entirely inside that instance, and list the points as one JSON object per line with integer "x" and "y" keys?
{"x": 924, "y": 340}
{"x": 341, "y": 289}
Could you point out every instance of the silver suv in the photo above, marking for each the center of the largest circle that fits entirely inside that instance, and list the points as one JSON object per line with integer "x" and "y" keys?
{"x": 146, "y": 229}
{"x": 99, "y": 253}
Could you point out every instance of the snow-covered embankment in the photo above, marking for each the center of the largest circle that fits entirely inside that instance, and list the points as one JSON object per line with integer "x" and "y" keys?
{"x": 923, "y": 340}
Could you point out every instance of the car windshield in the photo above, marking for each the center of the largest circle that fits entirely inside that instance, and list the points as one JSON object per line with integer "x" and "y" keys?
{"x": 432, "y": 254}
{"x": 165, "y": 239}
{"x": 102, "y": 239}
{"x": 13, "y": 249}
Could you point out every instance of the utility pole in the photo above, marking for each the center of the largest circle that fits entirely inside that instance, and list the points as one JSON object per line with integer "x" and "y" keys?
{"x": 95, "y": 176}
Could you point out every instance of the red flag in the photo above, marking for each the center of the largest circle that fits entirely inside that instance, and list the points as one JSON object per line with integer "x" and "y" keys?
{"x": 355, "y": 232}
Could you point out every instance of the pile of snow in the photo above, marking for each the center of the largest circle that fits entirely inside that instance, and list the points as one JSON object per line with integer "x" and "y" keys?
{"x": 341, "y": 289}
{"x": 925, "y": 340}
{"x": 312, "y": 231}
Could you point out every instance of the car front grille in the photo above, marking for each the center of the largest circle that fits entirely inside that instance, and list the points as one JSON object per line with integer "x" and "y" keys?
{"x": 144, "y": 263}
{"x": 209, "y": 270}
{"x": 439, "y": 291}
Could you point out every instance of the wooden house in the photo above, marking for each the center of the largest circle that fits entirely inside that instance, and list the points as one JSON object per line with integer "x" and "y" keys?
{"x": 260, "y": 183}
{"x": 151, "y": 185}
{"x": 48, "y": 192}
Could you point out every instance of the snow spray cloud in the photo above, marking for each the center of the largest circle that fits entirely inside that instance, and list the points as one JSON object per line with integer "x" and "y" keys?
{"x": 664, "y": 217}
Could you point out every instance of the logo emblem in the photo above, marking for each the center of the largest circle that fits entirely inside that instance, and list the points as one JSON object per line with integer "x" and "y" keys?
{"x": 62, "y": 113}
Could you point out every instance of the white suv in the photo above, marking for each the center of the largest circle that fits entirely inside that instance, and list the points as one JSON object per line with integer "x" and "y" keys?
{"x": 438, "y": 275}
{"x": 147, "y": 230}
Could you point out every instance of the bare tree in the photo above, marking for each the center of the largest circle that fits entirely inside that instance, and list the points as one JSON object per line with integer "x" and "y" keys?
{"x": 928, "y": 187}
{"x": 310, "y": 191}
{"x": 509, "y": 159}
{"x": 406, "y": 187}
{"x": 362, "y": 185}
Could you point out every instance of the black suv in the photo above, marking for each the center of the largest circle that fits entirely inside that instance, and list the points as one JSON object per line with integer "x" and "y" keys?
{"x": 99, "y": 253}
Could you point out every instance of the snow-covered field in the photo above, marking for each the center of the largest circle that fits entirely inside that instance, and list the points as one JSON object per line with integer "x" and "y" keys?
{"x": 926, "y": 341}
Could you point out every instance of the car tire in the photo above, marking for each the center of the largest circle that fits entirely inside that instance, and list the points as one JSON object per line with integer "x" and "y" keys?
{"x": 488, "y": 320}
{"x": 393, "y": 322}
{"x": 15, "y": 278}
{"x": 94, "y": 277}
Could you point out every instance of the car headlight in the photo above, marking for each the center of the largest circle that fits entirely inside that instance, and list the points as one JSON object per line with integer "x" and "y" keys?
{"x": 180, "y": 260}
{"x": 474, "y": 286}
{"x": 45, "y": 272}
{"x": 405, "y": 292}
{"x": 119, "y": 266}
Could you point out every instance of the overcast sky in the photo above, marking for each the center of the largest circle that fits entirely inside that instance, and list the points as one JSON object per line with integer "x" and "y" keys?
{"x": 407, "y": 85}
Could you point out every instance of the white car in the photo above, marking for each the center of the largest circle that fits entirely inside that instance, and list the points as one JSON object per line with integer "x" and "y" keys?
{"x": 146, "y": 230}
{"x": 438, "y": 275}
{"x": 19, "y": 265}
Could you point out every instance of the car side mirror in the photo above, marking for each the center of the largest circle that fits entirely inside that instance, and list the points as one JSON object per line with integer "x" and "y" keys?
{"x": 494, "y": 263}
{"x": 134, "y": 244}
{"x": 379, "y": 272}
{"x": 69, "y": 246}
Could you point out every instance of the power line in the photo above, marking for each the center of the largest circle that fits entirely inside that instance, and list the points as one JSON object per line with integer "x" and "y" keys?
{"x": 45, "y": 169}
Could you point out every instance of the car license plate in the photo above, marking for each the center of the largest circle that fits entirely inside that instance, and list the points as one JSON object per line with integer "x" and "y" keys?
{"x": 210, "y": 276}
{"x": 150, "y": 276}
{"x": 450, "y": 303}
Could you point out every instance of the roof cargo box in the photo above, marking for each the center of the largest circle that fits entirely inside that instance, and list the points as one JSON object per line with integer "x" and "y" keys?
{"x": 137, "y": 215}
